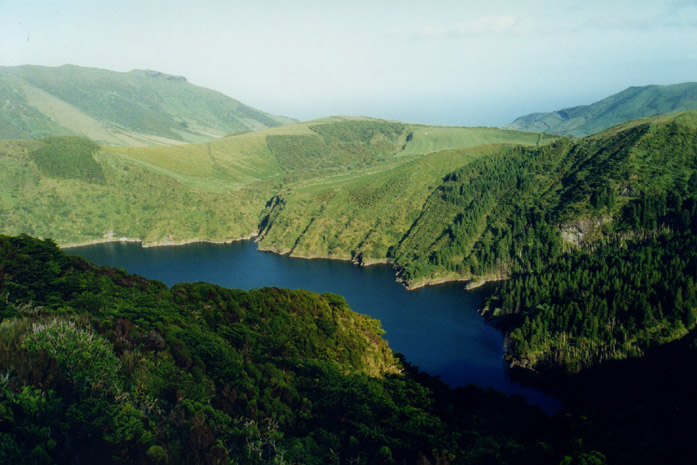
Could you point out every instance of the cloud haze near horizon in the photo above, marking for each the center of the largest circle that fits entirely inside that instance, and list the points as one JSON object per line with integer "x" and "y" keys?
{"x": 445, "y": 62}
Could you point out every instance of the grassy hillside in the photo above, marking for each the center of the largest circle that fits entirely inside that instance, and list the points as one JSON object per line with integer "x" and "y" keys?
{"x": 225, "y": 189}
{"x": 132, "y": 201}
{"x": 362, "y": 212}
{"x": 357, "y": 216}
{"x": 134, "y": 108}
{"x": 630, "y": 104}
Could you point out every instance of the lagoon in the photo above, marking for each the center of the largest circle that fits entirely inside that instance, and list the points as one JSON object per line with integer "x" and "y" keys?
{"x": 437, "y": 327}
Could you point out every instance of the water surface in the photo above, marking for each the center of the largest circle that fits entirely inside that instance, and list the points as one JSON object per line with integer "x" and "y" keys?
{"x": 436, "y": 328}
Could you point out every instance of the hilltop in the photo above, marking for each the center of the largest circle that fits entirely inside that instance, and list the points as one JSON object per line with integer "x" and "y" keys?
{"x": 140, "y": 107}
{"x": 630, "y": 104}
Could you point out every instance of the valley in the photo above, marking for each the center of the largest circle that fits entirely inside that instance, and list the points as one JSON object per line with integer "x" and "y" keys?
{"x": 588, "y": 242}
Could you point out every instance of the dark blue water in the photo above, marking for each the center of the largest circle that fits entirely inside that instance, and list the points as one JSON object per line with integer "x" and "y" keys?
{"x": 437, "y": 328}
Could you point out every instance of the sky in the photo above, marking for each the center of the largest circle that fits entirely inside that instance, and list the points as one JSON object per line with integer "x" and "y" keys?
{"x": 464, "y": 62}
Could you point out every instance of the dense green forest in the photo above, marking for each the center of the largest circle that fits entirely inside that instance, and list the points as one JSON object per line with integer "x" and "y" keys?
{"x": 514, "y": 211}
{"x": 100, "y": 365}
{"x": 630, "y": 287}
{"x": 342, "y": 145}
{"x": 70, "y": 158}
{"x": 614, "y": 303}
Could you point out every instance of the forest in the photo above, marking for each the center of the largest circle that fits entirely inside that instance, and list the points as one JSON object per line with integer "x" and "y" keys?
{"x": 100, "y": 365}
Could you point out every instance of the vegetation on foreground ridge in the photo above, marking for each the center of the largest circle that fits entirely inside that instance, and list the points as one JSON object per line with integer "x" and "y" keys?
{"x": 100, "y": 365}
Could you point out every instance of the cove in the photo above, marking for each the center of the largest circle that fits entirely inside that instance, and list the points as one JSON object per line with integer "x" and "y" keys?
{"x": 437, "y": 328}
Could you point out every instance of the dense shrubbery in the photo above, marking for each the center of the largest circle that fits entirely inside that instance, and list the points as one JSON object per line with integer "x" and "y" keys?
{"x": 338, "y": 146}
{"x": 614, "y": 303}
{"x": 97, "y": 365}
{"x": 68, "y": 157}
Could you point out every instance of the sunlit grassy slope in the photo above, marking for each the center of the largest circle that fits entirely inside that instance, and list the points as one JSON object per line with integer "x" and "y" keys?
{"x": 134, "y": 201}
{"x": 342, "y": 187}
{"x": 357, "y": 189}
{"x": 628, "y": 105}
{"x": 135, "y": 108}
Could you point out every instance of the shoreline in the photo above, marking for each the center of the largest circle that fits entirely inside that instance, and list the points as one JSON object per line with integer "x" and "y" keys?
{"x": 162, "y": 243}
{"x": 471, "y": 283}
{"x": 291, "y": 254}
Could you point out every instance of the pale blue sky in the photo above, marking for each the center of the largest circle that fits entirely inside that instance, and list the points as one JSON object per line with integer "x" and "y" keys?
{"x": 438, "y": 62}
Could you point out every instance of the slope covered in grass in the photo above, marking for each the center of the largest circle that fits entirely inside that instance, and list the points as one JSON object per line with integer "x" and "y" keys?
{"x": 135, "y": 108}
{"x": 630, "y": 104}
{"x": 225, "y": 189}
{"x": 131, "y": 201}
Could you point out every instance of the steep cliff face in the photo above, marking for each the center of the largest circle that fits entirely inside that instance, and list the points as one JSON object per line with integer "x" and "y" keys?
{"x": 583, "y": 230}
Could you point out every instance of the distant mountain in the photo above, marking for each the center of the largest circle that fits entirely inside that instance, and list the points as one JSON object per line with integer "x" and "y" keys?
{"x": 630, "y": 104}
{"x": 135, "y": 108}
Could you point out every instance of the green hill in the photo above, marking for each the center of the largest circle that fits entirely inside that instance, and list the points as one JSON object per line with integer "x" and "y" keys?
{"x": 134, "y": 108}
{"x": 630, "y": 104}
{"x": 498, "y": 215}
{"x": 597, "y": 235}
{"x": 221, "y": 190}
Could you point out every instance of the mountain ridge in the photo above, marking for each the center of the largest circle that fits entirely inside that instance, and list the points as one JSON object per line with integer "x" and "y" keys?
{"x": 630, "y": 104}
{"x": 139, "y": 107}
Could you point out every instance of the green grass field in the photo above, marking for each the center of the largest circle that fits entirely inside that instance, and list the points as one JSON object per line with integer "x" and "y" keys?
{"x": 132, "y": 109}
{"x": 347, "y": 188}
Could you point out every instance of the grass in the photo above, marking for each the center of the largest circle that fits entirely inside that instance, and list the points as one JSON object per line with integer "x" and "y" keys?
{"x": 630, "y": 104}
{"x": 361, "y": 190}
{"x": 351, "y": 193}
{"x": 359, "y": 215}
{"x": 134, "y": 108}
{"x": 133, "y": 202}
{"x": 428, "y": 139}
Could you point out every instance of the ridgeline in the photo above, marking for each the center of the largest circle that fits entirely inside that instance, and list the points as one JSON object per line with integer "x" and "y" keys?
{"x": 630, "y": 104}
{"x": 140, "y": 107}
